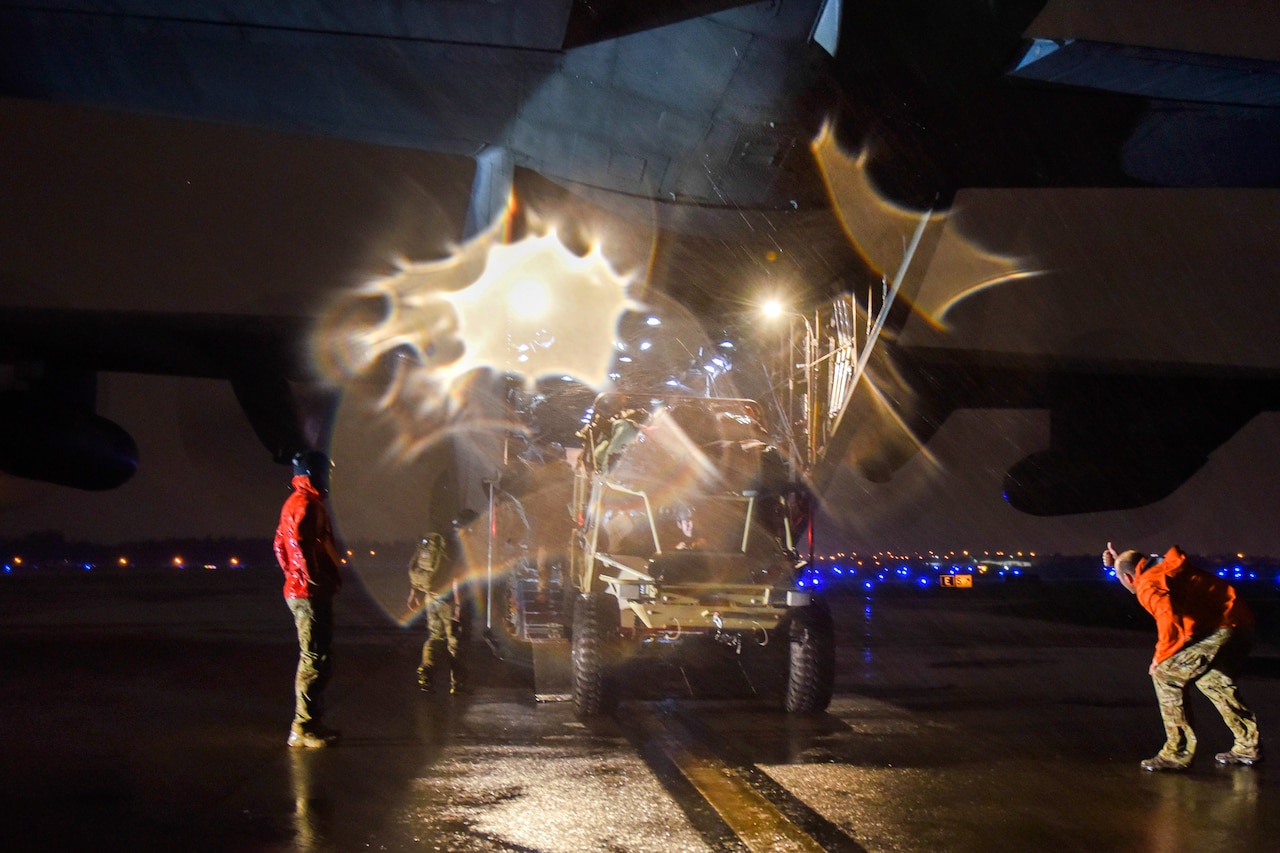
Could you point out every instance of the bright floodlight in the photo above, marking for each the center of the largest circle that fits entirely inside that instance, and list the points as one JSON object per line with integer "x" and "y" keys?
{"x": 529, "y": 298}
{"x": 772, "y": 308}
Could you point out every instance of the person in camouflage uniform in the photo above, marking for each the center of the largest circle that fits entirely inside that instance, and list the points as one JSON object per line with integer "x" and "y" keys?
{"x": 1204, "y": 632}
{"x": 431, "y": 584}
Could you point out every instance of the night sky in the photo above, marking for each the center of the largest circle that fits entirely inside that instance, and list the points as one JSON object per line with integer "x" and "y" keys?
{"x": 128, "y": 213}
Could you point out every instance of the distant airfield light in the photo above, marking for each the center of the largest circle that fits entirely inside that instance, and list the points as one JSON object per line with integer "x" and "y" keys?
{"x": 17, "y": 561}
{"x": 373, "y": 553}
{"x": 646, "y": 345}
{"x": 726, "y": 344}
{"x": 210, "y": 566}
{"x": 177, "y": 561}
{"x": 122, "y": 562}
{"x": 234, "y": 561}
{"x": 652, "y": 321}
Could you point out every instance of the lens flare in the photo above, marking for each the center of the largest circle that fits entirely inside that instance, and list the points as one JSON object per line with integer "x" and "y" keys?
{"x": 529, "y": 310}
{"x": 951, "y": 265}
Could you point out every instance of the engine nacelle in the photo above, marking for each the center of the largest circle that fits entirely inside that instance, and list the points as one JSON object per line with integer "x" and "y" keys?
{"x": 56, "y": 443}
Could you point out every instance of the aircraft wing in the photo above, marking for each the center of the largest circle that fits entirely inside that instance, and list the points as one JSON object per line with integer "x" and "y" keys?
{"x": 48, "y": 428}
{"x": 700, "y": 116}
{"x": 1149, "y": 347}
{"x": 704, "y": 103}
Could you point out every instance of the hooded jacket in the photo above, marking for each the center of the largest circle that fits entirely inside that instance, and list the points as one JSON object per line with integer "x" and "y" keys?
{"x": 305, "y": 546}
{"x": 1188, "y": 604}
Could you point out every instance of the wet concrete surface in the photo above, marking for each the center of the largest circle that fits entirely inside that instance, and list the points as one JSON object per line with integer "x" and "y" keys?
{"x": 148, "y": 711}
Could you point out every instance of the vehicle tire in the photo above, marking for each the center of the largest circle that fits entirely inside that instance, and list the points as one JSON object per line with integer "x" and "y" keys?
{"x": 595, "y": 640}
{"x": 812, "y": 665}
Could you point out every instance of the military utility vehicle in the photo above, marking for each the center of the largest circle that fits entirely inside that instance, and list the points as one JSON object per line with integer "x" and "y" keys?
{"x": 686, "y": 516}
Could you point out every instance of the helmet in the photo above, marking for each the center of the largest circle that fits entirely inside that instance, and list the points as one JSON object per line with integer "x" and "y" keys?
{"x": 315, "y": 465}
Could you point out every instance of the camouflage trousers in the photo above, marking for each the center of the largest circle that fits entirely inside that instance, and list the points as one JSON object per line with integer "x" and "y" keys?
{"x": 441, "y": 631}
{"x": 313, "y": 618}
{"x": 1211, "y": 664}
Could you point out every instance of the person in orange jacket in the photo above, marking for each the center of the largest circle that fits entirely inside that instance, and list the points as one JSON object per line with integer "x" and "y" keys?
{"x": 1203, "y": 634}
{"x": 307, "y": 552}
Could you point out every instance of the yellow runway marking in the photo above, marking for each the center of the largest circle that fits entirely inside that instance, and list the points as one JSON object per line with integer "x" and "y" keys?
{"x": 757, "y": 822}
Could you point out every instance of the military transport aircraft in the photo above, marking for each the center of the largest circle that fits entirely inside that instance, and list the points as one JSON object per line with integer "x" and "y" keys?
{"x": 1017, "y": 142}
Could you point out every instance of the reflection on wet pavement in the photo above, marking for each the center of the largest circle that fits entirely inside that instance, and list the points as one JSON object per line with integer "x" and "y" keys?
{"x": 956, "y": 726}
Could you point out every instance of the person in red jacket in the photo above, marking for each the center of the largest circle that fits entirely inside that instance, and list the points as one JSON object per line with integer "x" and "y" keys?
{"x": 308, "y": 555}
{"x": 1203, "y": 634}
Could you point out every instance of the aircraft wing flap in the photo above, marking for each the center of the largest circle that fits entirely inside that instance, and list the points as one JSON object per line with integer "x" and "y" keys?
{"x": 531, "y": 24}
{"x": 1152, "y": 73}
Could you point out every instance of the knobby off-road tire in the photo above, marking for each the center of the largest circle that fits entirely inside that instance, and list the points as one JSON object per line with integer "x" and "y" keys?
{"x": 595, "y": 641}
{"x": 812, "y": 665}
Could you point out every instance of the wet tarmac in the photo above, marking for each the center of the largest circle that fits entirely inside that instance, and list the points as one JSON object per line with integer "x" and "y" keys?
{"x": 149, "y": 711}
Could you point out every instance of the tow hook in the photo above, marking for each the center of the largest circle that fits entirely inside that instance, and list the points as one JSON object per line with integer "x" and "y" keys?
{"x": 733, "y": 641}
